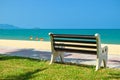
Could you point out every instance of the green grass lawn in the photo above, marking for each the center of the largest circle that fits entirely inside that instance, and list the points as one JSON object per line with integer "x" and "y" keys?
{"x": 18, "y": 68}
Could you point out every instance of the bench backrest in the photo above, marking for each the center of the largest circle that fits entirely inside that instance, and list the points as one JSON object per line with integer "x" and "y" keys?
{"x": 88, "y": 44}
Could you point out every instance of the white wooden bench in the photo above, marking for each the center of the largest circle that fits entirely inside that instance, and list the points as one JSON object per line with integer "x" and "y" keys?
{"x": 86, "y": 44}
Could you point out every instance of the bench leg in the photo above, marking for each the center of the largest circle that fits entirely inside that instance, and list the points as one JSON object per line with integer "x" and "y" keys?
{"x": 53, "y": 57}
{"x": 102, "y": 57}
{"x": 56, "y": 54}
{"x": 99, "y": 61}
{"x": 105, "y": 63}
{"x": 62, "y": 57}
{"x": 105, "y": 57}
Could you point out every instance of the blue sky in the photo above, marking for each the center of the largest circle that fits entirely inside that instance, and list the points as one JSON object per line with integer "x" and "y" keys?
{"x": 69, "y": 14}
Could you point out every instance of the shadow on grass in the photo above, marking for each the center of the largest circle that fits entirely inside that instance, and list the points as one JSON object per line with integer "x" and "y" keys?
{"x": 25, "y": 76}
{"x": 114, "y": 76}
{"x": 75, "y": 64}
{"x": 6, "y": 57}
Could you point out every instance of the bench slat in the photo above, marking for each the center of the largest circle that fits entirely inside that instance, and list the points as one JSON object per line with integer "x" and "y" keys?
{"x": 74, "y": 45}
{"x": 75, "y": 41}
{"x": 76, "y": 50}
{"x": 74, "y": 36}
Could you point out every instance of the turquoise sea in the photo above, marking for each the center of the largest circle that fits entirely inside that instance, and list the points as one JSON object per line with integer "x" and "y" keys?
{"x": 108, "y": 36}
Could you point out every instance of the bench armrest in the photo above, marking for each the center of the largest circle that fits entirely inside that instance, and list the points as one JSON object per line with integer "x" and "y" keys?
{"x": 105, "y": 49}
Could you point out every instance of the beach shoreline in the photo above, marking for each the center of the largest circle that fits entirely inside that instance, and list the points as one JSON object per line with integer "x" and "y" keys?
{"x": 45, "y": 45}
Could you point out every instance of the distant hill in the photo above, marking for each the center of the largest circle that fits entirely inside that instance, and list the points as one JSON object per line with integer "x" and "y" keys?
{"x": 7, "y": 26}
{"x": 35, "y": 28}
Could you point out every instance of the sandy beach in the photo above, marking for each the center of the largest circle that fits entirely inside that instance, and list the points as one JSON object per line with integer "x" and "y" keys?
{"x": 45, "y": 45}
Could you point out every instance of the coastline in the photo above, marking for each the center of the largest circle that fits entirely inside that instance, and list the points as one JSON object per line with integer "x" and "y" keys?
{"x": 45, "y": 45}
